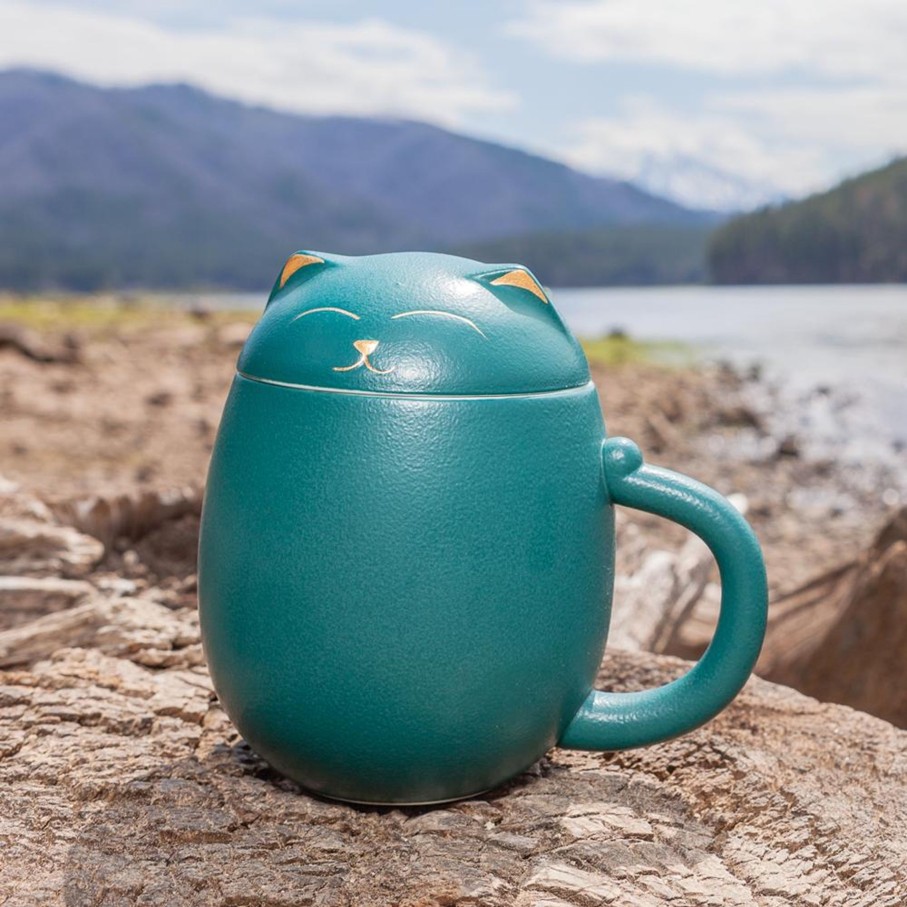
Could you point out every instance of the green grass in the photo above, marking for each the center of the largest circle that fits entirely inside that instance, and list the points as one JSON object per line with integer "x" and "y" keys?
{"x": 99, "y": 314}
{"x": 619, "y": 349}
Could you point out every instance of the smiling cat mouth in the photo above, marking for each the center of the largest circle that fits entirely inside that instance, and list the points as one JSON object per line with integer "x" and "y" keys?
{"x": 365, "y": 348}
{"x": 363, "y": 362}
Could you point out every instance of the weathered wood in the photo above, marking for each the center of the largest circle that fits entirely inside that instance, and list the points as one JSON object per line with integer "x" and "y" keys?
{"x": 34, "y": 544}
{"x": 654, "y": 602}
{"x": 122, "y": 782}
{"x": 23, "y": 598}
{"x": 141, "y": 630}
{"x": 859, "y": 659}
{"x": 840, "y": 637}
{"x": 30, "y": 547}
{"x": 128, "y": 515}
{"x": 650, "y": 602}
{"x": 35, "y": 347}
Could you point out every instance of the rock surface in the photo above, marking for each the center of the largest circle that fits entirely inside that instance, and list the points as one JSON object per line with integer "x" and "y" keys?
{"x": 122, "y": 782}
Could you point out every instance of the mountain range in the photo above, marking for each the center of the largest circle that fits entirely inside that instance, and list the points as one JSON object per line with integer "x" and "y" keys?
{"x": 168, "y": 186}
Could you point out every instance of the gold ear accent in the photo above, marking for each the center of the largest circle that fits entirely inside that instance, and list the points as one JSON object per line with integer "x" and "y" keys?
{"x": 295, "y": 262}
{"x": 520, "y": 279}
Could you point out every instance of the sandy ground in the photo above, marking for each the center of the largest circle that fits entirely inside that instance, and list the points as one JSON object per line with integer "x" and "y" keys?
{"x": 140, "y": 405}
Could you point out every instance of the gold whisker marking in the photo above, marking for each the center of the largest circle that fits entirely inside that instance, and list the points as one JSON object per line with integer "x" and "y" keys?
{"x": 521, "y": 279}
{"x": 326, "y": 308}
{"x": 363, "y": 360}
{"x": 349, "y": 368}
{"x": 462, "y": 318}
{"x": 377, "y": 371}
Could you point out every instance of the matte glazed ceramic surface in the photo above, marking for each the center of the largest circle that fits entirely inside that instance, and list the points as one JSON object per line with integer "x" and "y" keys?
{"x": 425, "y": 324}
{"x": 407, "y": 546}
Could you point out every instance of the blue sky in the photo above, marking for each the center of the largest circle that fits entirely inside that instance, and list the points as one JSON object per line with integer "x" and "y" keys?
{"x": 702, "y": 99}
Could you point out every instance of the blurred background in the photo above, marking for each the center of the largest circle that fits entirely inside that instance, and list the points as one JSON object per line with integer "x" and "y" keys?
{"x": 716, "y": 194}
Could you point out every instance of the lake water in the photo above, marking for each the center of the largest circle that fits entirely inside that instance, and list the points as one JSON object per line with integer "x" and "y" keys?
{"x": 814, "y": 335}
{"x": 839, "y": 352}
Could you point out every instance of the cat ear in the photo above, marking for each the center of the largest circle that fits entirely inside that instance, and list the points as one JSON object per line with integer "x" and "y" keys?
{"x": 513, "y": 276}
{"x": 296, "y": 263}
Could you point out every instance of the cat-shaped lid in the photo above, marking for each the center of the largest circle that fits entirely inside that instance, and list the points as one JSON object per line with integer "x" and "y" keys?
{"x": 411, "y": 323}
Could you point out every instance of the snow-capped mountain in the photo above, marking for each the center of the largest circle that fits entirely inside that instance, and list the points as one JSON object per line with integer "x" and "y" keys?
{"x": 692, "y": 182}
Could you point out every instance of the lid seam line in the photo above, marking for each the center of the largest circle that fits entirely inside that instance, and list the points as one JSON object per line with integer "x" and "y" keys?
{"x": 419, "y": 396}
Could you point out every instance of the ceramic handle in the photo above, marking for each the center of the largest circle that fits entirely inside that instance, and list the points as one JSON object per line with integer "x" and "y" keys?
{"x": 616, "y": 721}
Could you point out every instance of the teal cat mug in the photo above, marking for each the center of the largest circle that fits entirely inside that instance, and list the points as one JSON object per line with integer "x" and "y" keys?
{"x": 407, "y": 546}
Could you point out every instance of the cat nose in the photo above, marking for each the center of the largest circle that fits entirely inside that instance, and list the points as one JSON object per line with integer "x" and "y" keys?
{"x": 366, "y": 347}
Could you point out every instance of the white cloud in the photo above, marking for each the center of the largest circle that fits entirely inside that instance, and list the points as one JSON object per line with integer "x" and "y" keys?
{"x": 368, "y": 67}
{"x": 737, "y": 165}
{"x": 782, "y": 142}
{"x": 867, "y": 118}
{"x": 801, "y": 90}
{"x": 831, "y": 37}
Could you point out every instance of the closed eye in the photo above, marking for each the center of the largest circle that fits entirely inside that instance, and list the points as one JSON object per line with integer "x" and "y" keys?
{"x": 472, "y": 324}
{"x": 326, "y": 308}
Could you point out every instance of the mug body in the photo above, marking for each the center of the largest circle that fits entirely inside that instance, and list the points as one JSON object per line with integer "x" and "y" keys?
{"x": 404, "y": 599}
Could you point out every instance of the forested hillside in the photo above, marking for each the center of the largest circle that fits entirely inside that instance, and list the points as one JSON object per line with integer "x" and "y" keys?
{"x": 855, "y": 233}
{"x": 635, "y": 255}
{"x": 167, "y": 186}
